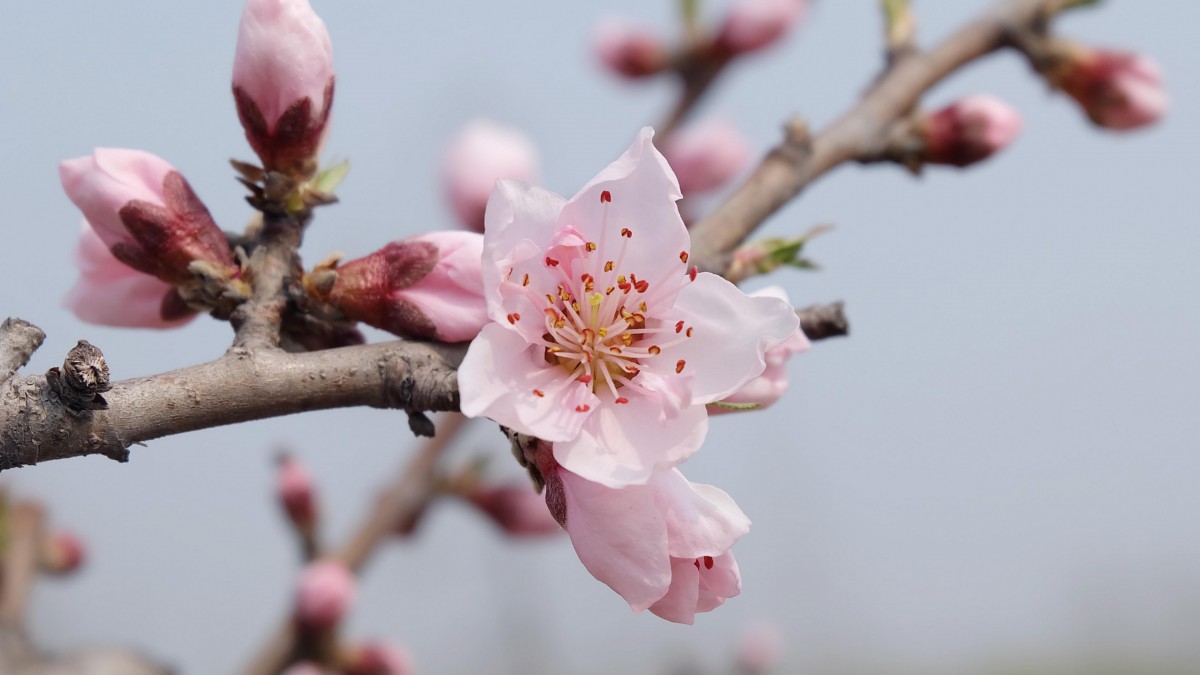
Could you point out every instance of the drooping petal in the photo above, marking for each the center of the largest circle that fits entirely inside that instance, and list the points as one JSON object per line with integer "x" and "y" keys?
{"x": 701, "y": 519}
{"x": 679, "y": 603}
{"x": 732, "y": 333}
{"x": 718, "y": 583}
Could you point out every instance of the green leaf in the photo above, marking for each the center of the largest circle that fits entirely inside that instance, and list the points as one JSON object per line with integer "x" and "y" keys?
{"x": 331, "y": 177}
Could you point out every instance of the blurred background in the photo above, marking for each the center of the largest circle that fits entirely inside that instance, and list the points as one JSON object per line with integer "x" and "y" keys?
{"x": 997, "y": 472}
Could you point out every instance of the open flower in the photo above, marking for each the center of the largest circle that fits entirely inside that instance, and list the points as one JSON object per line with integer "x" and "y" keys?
{"x": 603, "y": 340}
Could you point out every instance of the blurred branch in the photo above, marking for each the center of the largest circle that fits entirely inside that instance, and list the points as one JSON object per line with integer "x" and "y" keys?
{"x": 802, "y": 158}
{"x": 820, "y": 322}
{"x": 20, "y": 566}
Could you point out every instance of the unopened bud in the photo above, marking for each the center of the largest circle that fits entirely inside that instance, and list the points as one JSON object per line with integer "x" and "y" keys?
{"x": 969, "y": 130}
{"x": 305, "y": 668}
{"x": 1118, "y": 90}
{"x": 324, "y": 595}
{"x": 629, "y": 50}
{"x": 429, "y": 286}
{"x": 516, "y": 509}
{"x": 296, "y": 493}
{"x": 146, "y": 213}
{"x": 379, "y": 658}
{"x": 482, "y": 153}
{"x": 706, "y": 156}
{"x": 283, "y": 83}
{"x": 62, "y": 553}
{"x": 751, "y": 25}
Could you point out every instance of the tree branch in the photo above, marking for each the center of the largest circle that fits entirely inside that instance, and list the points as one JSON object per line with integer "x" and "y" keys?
{"x": 18, "y": 341}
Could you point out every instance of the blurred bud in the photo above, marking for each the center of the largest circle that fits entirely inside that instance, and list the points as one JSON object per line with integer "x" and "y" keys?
{"x": 147, "y": 214}
{"x": 111, "y": 293}
{"x": 969, "y": 130}
{"x": 517, "y": 509}
{"x": 305, "y": 668}
{"x": 629, "y": 50}
{"x": 754, "y": 24}
{"x": 706, "y": 156}
{"x": 429, "y": 286}
{"x": 1118, "y": 90}
{"x": 296, "y": 493}
{"x": 759, "y": 649}
{"x": 482, "y": 153}
{"x": 766, "y": 389}
{"x": 379, "y": 658}
{"x": 62, "y": 553}
{"x": 324, "y": 594}
{"x": 283, "y": 83}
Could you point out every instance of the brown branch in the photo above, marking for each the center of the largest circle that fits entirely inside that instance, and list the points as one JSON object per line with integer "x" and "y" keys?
{"x": 18, "y": 341}
{"x": 801, "y": 159}
{"x": 820, "y": 322}
{"x": 272, "y": 266}
{"x": 401, "y": 503}
{"x": 20, "y": 566}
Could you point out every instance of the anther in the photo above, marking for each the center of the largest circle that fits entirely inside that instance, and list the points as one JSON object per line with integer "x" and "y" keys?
{"x": 514, "y": 318}
{"x": 551, "y": 262}
{"x": 654, "y": 350}
{"x": 678, "y": 326}
{"x": 586, "y": 379}
{"x": 605, "y": 197}
{"x": 692, "y": 273}
{"x": 627, "y": 233}
{"x": 679, "y": 366}
{"x": 621, "y": 400}
{"x": 683, "y": 257}
{"x": 539, "y": 393}
{"x": 583, "y": 408}
{"x": 590, "y": 246}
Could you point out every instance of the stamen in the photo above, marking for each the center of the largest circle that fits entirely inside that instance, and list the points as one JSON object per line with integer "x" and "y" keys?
{"x": 708, "y": 562}
{"x": 683, "y": 257}
{"x": 678, "y": 326}
{"x": 627, "y": 233}
{"x": 679, "y": 366}
{"x": 525, "y": 282}
{"x": 692, "y": 273}
{"x": 605, "y": 197}
{"x": 514, "y": 318}
{"x": 621, "y": 400}
{"x": 551, "y": 262}
{"x": 590, "y": 246}
{"x": 583, "y": 408}
{"x": 539, "y": 393}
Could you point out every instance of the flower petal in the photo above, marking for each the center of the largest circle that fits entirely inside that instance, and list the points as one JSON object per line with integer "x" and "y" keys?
{"x": 701, "y": 519}
{"x": 518, "y": 215}
{"x": 679, "y": 603}
{"x": 722, "y": 581}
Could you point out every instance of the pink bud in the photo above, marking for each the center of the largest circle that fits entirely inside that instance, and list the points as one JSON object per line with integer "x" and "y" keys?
{"x": 283, "y": 82}
{"x": 769, "y": 387}
{"x": 753, "y": 24}
{"x": 760, "y": 648}
{"x": 296, "y": 493}
{"x": 429, "y": 286}
{"x": 324, "y": 594}
{"x": 305, "y": 668}
{"x": 969, "y": 130}
{"x": 482, "y": 153}
{"x": 63, "y": 553}
{"x": 146, "y": 213}
{"x": 111, "y": 293}
{"x": 1118, "y": 90}
{"x": 707, "y": 155}
{"x": 517, "y": 509}
{"x": 629, "y": 50}
{"x": 380, "y": 658}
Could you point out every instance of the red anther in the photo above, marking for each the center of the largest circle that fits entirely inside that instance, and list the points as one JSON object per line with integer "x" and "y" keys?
{"x": 708, "y": 562}
{"x": 625, "y": 286}
{"x": 551, "y": 262}
{"x": 605, "y": 197}
{"x": 608, "y": 266}
{"x": 622, "y": 400}
{"x": 678, "y": 326}
{"x": 586, "y": 379}
{"x": 654, "y": 350}
{"x": 539, "y": 393}
{"x": 583, "y": 408}
{"x": 690, "y": 330}
{"x": 683, "y": 256}
{"x": 642, "y": 286}
{"x": 525, "y": 282}
{"x": 691, "y": 273}
{"x": 679, "y": 366}
{"x": 514, "y": 318}
{"x": 627, "y": 233}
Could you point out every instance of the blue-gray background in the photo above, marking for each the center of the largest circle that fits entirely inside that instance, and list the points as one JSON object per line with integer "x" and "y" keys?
{"x": 1000, "y": 465}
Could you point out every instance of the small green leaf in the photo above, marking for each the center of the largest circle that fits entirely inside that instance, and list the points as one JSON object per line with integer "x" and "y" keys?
{"x": 736, "y": 406}
{"x": 331, "y": 177}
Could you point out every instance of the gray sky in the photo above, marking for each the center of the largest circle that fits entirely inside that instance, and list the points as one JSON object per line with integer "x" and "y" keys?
{"x": 1000, "y": 463}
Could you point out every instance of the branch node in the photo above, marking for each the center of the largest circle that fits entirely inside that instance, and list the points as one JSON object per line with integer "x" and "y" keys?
{"x": 82, "y": 379}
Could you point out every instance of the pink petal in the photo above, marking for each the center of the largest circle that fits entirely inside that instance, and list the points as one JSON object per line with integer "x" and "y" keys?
{"x": 701, "y": 519}
{"x": 521, "y": 219}
{"x": 108, "y": 179}
{"x": 732, "y": 333}
{"x": 679, "y": 603}
{"x": 283, "y": 55}
{"x": 451, "y": 295}
{"x": 723, "y": 581}
{"x": 769, "y": 387}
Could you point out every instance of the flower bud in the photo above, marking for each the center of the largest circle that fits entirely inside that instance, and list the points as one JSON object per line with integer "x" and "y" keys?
{"x": 429, "y": 286}
{"x": 969, "y": 130}
{"x": 516, "y": 509}
{"x": 629, "y": 50}
{"x": 62, "y": 553}
{"x": 759, "y": 649}
{"x": 766, "y": 389}
{"x": 146, "y": 213}
{"x": 707, "y": 155}
{"x": 324, "y": 594}
{"x": 482, "y": 153}
{"x": 754, "y": 24}
{"x": 1118, "y": 90}
{"x": 111, "y": 293}
{"x": 305, "y": 668}
{"x": 296, "y": 493}
{"x": 283, "y": 83}
{"x": 379, "y": 658}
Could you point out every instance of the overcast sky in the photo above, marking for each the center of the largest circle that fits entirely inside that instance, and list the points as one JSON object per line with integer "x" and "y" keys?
{"x": 1000, "y": 463}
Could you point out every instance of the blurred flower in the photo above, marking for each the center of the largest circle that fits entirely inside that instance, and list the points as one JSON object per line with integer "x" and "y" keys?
{"x": 111, "y": 293}
{"x": 753, "y": 24}
{"x": 517, "y": 509}
{"x": 324, "y": 593}
{"x": 380, "y": 658}
{"x": 428, "y": 286}
{"x": 629, "y": 50}
{"x": 283, "y": 82}
{"x": 766, "y": 389}
{"x": 146, "y": 213}
{"x": 602, "y": 341}
{"x": 969, "y": 130}
{"x": 296, "y": 493}
{"x": 760, "y": 648}
{"x": 305, "y": 668}
{"x": 1118, "y": 90}
{"x": 706, "y": 156}
{"x": 482, "y": 153}
{"x": 63, "y": 552}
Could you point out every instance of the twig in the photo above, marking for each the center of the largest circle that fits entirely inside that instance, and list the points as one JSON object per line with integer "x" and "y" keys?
{"x": 18, "y": 341}
{"x": 820, "y": 322}
{"x": 273, "y": 264}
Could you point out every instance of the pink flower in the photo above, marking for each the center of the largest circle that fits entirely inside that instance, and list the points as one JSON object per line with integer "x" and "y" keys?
{"x": 429, "y": 286}
{"x": 753, "y": 24}
{"x": 1118, "y": 90}
{"x": 629, "y": 50}
{"x": 283, "y": 81}
{"x": 603, "y": 341}
{"x": 296, "y": 493}
{"x": 380, "y": 658}
{"x": 662, "y": 546}
{"x": 324, "y": 594}
{"x": 760, "y": 648}
{"x": 146, "y": 213}
{"x": 111, "y": 293}
{"x": 63, "y": 553}
{"x": 769, "y": 387}
{"x": 305, "y": 668}
{"x": 482, "y": 153}
{"x": 969, "y": 130}
{"x": 516, "y": 509}
{"x": 707, "y": 155}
